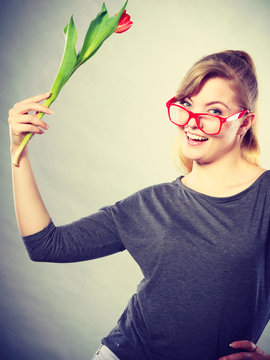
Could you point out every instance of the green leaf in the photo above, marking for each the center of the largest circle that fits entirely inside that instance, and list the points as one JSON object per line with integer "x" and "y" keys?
{"x": 99, "y": 30}
{"x": 69, "y": 59}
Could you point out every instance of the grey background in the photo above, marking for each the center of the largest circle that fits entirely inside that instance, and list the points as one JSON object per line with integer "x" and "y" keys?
{"x": 109, "y": 137}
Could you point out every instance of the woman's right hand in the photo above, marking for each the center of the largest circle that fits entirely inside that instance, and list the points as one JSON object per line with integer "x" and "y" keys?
{"x": 21, "y": 122}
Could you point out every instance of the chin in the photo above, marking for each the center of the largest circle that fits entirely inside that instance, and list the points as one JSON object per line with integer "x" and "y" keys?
{"x": 197, "y": 155}
{"x": 198, "y": 160}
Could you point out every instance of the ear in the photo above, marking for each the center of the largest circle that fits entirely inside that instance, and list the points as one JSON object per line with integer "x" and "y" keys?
{"x": 247, "y": 122}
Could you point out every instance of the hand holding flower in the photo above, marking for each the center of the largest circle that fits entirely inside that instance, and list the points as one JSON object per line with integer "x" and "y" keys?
{"x": 99, "y": 30}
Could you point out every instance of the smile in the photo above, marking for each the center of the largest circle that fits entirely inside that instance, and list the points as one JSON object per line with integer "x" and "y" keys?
{"x": 194, "y": 138}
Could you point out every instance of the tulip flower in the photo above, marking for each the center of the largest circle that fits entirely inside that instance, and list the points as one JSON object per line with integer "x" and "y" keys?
{"x": 124, "y": 23}
{"x": 99, "y": 30}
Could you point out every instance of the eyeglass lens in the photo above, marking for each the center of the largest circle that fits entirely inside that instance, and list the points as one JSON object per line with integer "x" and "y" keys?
{"x": 209, "y": 124}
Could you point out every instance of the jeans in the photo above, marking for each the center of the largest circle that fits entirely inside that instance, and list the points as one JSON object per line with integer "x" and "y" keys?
{"x": 104, "y": 353}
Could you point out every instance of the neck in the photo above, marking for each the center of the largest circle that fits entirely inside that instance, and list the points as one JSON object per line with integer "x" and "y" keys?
{"x": 220, "y": 177}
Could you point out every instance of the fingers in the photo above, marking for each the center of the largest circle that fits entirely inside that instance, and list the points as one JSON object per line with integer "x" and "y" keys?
{"x": 19, "y": 112}
{"x": 22, "y": 122}
{"x": 239, "y": 356}
{"x": 24, "y": 107}
{"x": 19, "y": 129}
{"x": 37, "y": 98}
{"x": 31, "y": 104}
{"x": 250, "y": 351}
{"x": 30, "y": 119}
{"x": 243, "y": 344}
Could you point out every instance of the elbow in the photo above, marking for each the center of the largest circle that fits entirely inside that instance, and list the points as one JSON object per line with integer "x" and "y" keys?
{"x": 39, "y": 245}
{"x": 36, "y": 257}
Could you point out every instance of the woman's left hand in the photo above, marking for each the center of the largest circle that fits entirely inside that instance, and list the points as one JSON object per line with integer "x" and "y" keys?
{"x": 251, "y": 351}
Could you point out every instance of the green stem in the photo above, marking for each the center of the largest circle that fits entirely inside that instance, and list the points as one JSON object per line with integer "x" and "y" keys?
{"x": 25, "y": 140}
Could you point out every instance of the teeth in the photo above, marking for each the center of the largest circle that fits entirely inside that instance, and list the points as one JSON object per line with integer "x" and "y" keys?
{"x": 196, "y": 137}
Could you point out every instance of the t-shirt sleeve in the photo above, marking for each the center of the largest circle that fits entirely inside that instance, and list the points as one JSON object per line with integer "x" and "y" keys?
{"x": 90, "y": 237}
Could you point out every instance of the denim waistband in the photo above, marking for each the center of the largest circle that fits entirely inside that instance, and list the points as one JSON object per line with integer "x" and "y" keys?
{"x": 104, "y": 353}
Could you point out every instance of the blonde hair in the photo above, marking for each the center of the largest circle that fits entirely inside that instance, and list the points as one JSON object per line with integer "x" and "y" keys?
{"x": 239, "y": 69}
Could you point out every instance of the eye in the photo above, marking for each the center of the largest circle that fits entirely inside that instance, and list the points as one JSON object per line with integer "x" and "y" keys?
{"x": 215, "y": 111}
{"x": 185, "y": 103}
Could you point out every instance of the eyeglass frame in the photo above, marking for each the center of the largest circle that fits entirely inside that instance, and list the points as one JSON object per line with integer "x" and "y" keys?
{"x": 196, "y": 115}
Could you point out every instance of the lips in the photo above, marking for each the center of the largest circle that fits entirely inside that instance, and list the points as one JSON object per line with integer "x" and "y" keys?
{"x": 195, "y": 139}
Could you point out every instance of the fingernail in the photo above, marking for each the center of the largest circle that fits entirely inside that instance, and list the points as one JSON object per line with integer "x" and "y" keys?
{"x": 51, "y": 111}
{"x": 254, "y": 347}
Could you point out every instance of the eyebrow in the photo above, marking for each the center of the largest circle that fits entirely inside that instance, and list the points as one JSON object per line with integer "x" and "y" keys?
{"x": 218, "y": 102}
{"x": 212, "y": 103}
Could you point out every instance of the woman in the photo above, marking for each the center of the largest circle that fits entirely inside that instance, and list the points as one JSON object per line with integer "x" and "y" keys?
{"x": 201, "y": 241}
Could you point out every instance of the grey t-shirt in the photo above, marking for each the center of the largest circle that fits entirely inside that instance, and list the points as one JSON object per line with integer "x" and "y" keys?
{"x": 205, "y": 262}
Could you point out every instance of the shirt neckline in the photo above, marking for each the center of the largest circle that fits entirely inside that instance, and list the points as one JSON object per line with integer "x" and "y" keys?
{"x": 223, "y": 198}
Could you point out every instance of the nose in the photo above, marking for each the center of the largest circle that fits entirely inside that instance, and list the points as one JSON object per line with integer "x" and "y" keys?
{"x": 192, "y": 123}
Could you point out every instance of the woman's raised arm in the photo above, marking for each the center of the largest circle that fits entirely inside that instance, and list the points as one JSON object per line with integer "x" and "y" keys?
{"x": 32, "y": 215}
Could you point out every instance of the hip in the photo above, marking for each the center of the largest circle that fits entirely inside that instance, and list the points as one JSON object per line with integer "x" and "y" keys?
{"x": 104, "y": 353}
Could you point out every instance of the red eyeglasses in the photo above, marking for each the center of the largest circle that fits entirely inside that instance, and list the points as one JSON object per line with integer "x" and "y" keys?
{"x": 208, "y": 123}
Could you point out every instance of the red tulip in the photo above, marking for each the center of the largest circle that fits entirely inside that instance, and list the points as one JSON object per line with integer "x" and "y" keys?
{"x": 124, "y": 23}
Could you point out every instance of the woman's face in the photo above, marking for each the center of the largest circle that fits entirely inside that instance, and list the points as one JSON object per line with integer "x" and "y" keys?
{"x": 215, "y": 97}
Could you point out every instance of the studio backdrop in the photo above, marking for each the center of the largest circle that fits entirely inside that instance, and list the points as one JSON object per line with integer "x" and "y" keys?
{"x": 109, "y": 137}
